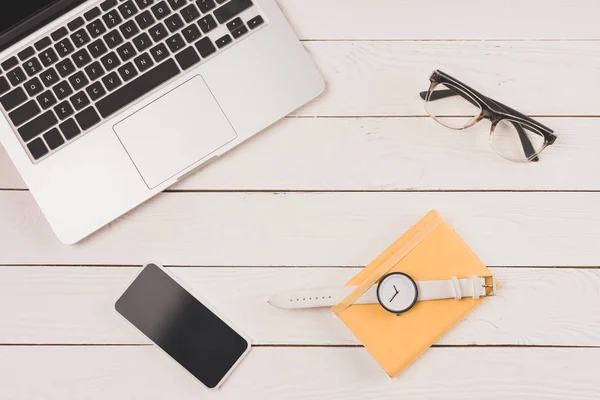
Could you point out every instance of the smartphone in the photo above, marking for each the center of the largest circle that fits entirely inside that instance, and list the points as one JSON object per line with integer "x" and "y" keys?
{"x": 182, "y": 326}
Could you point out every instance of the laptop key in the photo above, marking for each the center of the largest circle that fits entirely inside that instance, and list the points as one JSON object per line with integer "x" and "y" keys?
{"x": 59, "y": 34}
{"x": 87, "y": 118}
{"x": 127, "y": 72}
{"x": 49, "y": 77}
{"x": 205, "y": 47}
{"x": 79, "y": 101}
{"x": 64, "y": 110}
{"x": 94, "y": 71}
{"x": 48, "y": 57}
{"x": 207, "y": 23}
{"x": 223, "y": 41}
{"x": 143, "y": 62}
{"x": 76, "y": 23}
{"x": 64, "y": 47}
{"x": 32, "y": 67}
{"x": 177, "y": 4}
{"x": 241, "y": 31}
{"x": 128, "y": 9}
{"x": 33, "y": 87}
{"x": 91, "y": 14}
{"x": 16, "y": 76}
{"x": 80, "y": 38}
{"x": 145, "y": 19}
{"x": 78, "y": 81}
{"x": 4, "y": 85}
{"x": 159, "y": 52}
{"x": 161, "y": 10}
{"x": 38, "y": 125}
{"x": 137, "y": 88}
{"x": 191, "y": 33}
{"x": 112, "y": 19}
{"x": 97, "y": 48}
{"x": 175, "y": 43}
{"x": 108, "y": 4}
{"x": 24, "y": 113}
{"x": 65, "y": 67}
{"x": 174, "y": 23}
{"x": 110, "y": 61}
{"x": 142, "y": 41}
{"x": 231, "y": 9}
{"x": 37, "y": 148}
{"x": 205, "y": 5}
{"x": 62, "y": 90}
{"x": 82, "y": 58}
{"x": 96, "y": 28}
{"x": 42, "y": 44}
{"x": 143, "y": 3}
{"x": 13, "y": 99}
{"x": 126, "y": 52}
{"x": 112, "y": 81}
{"x": 129, "y": 29}
{"x": 234, "y": 24}
{"x": 158, "y": 32}
{"x": 10, "y": 63}
{"x": 25, "y": 54}
{"x": 187, "y": 58}
{"x": 113, "y": 39}
{"x": 46, "y": 99}
{"x": 53, "y": 139}
{"x": 95, "y": 91}
{"x": 190, "y": 13}
{"x": 255, "y": 22}
{"x": 69, "y": 129}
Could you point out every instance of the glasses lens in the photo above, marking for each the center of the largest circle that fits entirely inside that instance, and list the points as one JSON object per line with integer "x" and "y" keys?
{"x": 451, "y": 107}
{"x": 516, "y": 141}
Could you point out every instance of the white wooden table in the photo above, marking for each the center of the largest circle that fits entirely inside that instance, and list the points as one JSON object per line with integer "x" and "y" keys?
{"x": 320, "y": 194}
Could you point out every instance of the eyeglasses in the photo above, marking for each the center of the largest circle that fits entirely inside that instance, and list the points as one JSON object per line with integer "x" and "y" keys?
{"x": 513, "y": 135}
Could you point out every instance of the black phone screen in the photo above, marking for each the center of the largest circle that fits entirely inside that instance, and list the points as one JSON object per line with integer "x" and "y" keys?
{"x": 181, "y": 325}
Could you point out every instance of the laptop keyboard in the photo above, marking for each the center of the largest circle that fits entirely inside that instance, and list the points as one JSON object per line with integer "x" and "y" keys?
{"x": 112, "y": 55}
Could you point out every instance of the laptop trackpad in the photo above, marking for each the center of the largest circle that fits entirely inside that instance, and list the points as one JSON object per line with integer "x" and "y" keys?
{"x": 174, "y": 132}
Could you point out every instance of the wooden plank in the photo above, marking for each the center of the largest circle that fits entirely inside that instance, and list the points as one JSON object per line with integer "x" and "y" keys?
{"x": 390, "y": 154}
{"x": 435, "y": 19}
{"x": 99, "y": 373}
{"x": 74, "y": 305}
{"x": 311, "y": 229}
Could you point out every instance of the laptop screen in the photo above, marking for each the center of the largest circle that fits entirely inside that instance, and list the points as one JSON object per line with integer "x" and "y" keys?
{"x": 19, "y": 11}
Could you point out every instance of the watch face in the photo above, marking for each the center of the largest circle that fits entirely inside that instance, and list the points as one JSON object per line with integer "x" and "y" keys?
{"x": 397, "y": 292}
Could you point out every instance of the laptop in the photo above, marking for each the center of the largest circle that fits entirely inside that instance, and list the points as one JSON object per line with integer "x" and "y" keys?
{"x": 104, "y": 104}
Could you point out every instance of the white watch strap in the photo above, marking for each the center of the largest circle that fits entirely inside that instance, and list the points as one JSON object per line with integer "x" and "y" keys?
{"x": 428, "y": 290}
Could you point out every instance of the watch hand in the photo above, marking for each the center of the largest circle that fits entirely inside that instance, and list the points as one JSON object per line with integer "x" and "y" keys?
{"x": 395, "y": 289}
{"x": 394, "y": 296}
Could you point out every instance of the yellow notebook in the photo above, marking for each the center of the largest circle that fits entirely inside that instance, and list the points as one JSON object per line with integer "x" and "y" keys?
{"x": 430, "y": 250}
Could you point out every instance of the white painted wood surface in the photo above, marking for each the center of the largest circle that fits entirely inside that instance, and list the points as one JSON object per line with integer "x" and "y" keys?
{"x": 318, "y": 195}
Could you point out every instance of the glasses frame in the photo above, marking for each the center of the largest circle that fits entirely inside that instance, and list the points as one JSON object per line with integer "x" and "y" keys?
{"x": 491, "y": 110}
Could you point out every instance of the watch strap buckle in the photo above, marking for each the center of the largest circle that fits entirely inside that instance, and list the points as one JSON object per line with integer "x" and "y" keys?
{"x": 490, "y": 285}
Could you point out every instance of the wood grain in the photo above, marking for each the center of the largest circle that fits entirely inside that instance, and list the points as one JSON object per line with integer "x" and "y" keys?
{"x": 99, "y": 373}
{"x": 67, "y": 305}
{"x": 311, "y": 229}
{"x": 439, "y": 19}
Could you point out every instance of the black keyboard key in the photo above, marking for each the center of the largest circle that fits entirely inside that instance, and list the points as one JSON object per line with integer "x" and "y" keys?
{"x": 65, "y": 67}
{"x": 127, "y": 72}
{"x": 93, "y": 13}
{"x": 76, "y": 23}
{"x": 16, "y": 76}
{"x": 64, "y": 110}
{"x": 111, "y": 81}
{"x": 4, "y": 85}
{"x": 49, "y": 77}
{"x": 159, "y": 52}
{"x": 143, "y": 62}
{"x": 191, "y": 33}
{"x": 205, "y": 47}
{"x": 137, "y": 88}
{"x": 161, "y": 10}
{"x": 126, "y": 52}
{"x": 48, "y": 57}
{"x": 95, "y": 91}
{"x": 255, "y": 22}
{"x": 113, "y": 39}
{"x": 87, "y": 118}
{"x": 32, "y": 67}
{"x": 64, "y": 47}
{"x": 142, "y": 41}
{"x": 37, "y": 148}
{"x": 177, "y": 4}
{"x": 231, "y": 9}
{"x": 145, "y": 20}
{"x": 175, "y": 43}
{"x": 59, "y": 34}
{"x": 206, "y": 5}
{"x": 112, "y": 19}
{"x": 110, "y": 61}
{"x": 158, "y": 32}
{"x": 33, "y": 87}
{"x": 54, "y": 139}
{"x": 42, "y": 44}
{"x": 26, "y": 53}
{"x": 24, "y": 113}
{"x": 62, "y": 90}
{"x": 207, "y": 23}
{"x": 38, "y": 125}
{"x": 241, "y": 31}
{"x": 46, "y": 99}
{"x": 80, "y": 38}
{"x": 144, "y": 3}
{"x": 97, "y": 48}
{"x": 13, "y": 99}
{"x": 94, "y": 71}
{"x": 108, "y": 4}
{"x": 96, "y": 28}
{"x": 221, "y": 1}
{"x": 223, "y": 41}
{"x": 78, "y": 81}
{"x": 187, "y": 58}
{"x": 69, "y": 129}
{"x": 79, "y": 100}
{"x": 82, "y": 58}
{"x": 234, "y": 24}
{"x": 10, "y": 63}
{"x": 174, "y": 23}
{"x": 190, "y": 13}
{"x": 128, "y": 9}
{"x": 129, "y": 29}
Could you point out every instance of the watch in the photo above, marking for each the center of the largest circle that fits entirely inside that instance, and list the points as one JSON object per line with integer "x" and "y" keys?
{"x": 396, "y": 292}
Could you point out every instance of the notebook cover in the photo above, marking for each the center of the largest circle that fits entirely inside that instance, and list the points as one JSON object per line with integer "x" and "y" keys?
{"x": 396, "y": 341}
